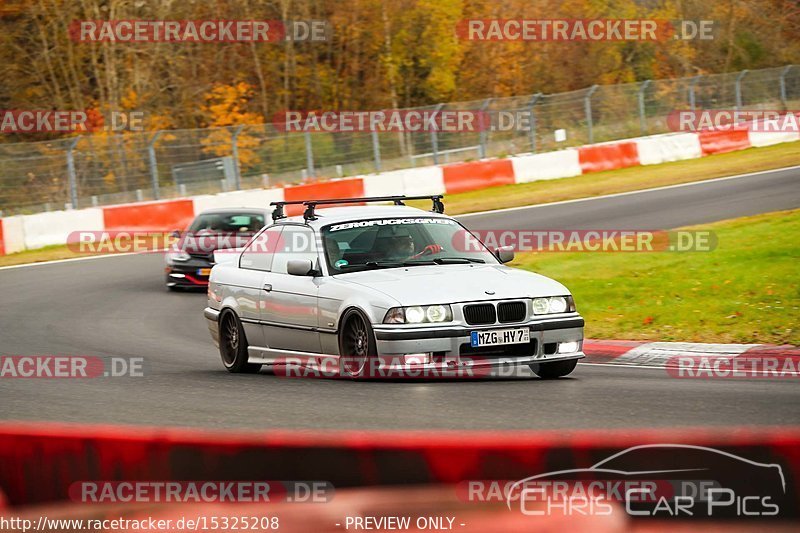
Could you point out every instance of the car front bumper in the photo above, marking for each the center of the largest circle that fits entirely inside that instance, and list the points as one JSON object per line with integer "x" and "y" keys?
{"x": 192, "y": 273}
{"x": 446, "y": 346}
{"x": 449, "y": 346}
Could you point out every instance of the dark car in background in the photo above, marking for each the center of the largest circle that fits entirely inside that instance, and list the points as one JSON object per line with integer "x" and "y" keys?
{"x": 190, "y": 258}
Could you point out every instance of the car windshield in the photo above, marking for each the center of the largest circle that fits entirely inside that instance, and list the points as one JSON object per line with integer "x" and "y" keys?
{"x": 395, "y": 242}
{"x": 232, "y": 222}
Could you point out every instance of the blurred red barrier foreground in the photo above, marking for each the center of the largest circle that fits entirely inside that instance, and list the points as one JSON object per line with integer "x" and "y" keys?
{"x": 40, "y": 462}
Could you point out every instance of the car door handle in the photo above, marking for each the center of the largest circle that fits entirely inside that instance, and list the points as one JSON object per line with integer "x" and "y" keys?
{"x": 267, "y": 287}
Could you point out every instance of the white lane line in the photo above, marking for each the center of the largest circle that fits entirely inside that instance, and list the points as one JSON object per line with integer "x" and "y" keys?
{"x": 627, "y": 193}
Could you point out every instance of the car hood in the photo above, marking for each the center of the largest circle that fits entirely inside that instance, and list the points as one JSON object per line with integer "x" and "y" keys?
{"x": 433, "y": 284}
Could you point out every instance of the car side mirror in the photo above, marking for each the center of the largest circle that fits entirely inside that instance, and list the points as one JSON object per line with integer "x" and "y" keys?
{"x": 504, "y": 254}
{"x": 300, "y": 267}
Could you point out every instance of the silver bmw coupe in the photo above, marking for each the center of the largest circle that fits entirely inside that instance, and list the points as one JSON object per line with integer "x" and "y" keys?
{"x": 385, "y": 290}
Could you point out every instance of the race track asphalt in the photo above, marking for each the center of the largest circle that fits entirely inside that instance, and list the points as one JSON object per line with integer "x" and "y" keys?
{"x": 118, "y": 307}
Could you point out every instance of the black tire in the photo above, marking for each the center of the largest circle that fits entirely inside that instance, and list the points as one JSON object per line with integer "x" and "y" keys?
{"x": 233, "y": 345}
{"x": 556, "y": 369}
{"x": 357, "y": 346}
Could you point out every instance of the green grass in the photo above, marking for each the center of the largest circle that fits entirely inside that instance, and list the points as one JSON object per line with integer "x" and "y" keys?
{"x": 40, "y": 255}
{"x": 746, "y": 290}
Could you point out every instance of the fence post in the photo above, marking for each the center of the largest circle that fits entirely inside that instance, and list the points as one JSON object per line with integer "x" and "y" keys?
{"x": 738, "y": 89}
{"x": 435, "y": 137}
{"x": 151, "y": 152}
{"x": 237, "y": 173}
{"x": 532, "y": 132}
{"x": 692, "y": 83}
{"x": 73, "y": 179}
{"x": 642, "y": 112}
{"x": 309, "y": 155}
{"x": 587, "y": 104}
{"x": 376, "y": 150}
{"x": 782, "y": 81}
{"x": 483, "y": 133}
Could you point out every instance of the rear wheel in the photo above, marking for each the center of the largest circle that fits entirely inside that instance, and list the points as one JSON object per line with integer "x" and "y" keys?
{"x": 233, "y": 345}
{"x": 356, "y": 344}
{"x": 554, "y": 370}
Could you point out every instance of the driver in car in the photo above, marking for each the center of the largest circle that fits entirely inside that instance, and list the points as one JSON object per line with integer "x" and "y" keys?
{"x": 403, "y": 248}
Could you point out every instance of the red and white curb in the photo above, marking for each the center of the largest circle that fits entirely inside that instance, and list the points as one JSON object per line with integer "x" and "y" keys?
{"x": 695, "y": 359}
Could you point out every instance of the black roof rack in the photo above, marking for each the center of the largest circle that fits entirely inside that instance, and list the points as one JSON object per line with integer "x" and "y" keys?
{"x": 309, "y": 214}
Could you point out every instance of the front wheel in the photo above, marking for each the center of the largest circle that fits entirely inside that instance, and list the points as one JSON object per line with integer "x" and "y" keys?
{"x": 357, "y": 345}
{"x": 554, "y": 370}
{"x": 233, "y": 345}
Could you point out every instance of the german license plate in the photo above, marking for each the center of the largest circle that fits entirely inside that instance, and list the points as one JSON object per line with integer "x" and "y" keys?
{"x": 497, "y": 337}
{"x": 204, "y": 272}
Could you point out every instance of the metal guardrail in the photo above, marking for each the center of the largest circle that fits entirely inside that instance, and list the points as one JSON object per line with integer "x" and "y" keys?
{"x": 88, "y": 170}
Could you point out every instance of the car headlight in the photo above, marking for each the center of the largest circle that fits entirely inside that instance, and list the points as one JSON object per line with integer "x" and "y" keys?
{"x": 177, "y": 255}
{"x": 436, "y": 313}
{"x": 418, "y": 314}
{"x": 553, "y": 304}
{"x": 415, "y": 315}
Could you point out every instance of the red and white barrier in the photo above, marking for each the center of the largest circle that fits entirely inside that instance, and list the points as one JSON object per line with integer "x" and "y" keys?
{"x": 475, "y": 175}
{"x": 408, "y": 181}
{"x": 666, "y": 148}
{"x": 722, "y": 141}
{"x": 768, "y": 138}
{"x": 322, "y": 190}
{"x": 546, "y": 166}
{"x": 166, "y": 215}
{"x": 45, "y": 229}
{"x": 12, "y": 235}
{"x": 34, "y": 231}
{"x": 247, "y": 198}
{"x": 610, "y": 156}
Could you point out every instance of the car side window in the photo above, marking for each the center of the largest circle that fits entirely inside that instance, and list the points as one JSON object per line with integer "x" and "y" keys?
{"x": 297, "y": 242}
{"x": 260, "y": 252}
